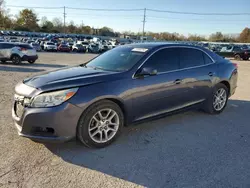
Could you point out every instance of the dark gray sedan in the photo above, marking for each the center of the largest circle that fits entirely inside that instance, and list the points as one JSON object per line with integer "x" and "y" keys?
{"x": 93, "y": 101}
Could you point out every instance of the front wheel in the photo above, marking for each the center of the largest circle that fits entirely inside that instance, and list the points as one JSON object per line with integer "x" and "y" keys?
{"x": 217, "y": 102}
{"x": 16, "y": 59}
{"x": 100, "y": 124}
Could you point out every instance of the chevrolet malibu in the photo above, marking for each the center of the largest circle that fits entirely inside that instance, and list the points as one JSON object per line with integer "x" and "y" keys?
{"x": 95, "y": 100}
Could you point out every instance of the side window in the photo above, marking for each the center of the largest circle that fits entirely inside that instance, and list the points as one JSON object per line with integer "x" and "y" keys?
{"x": 207, "y": 59}
{"x": 236, "y": 48}
{"x": 164, "y": 60}
{"x": 190, "y": 57}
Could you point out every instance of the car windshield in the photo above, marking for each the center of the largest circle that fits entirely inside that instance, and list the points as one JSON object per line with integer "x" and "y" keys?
{"x": 119, "y": 59}
{"x": 50, "y": 43}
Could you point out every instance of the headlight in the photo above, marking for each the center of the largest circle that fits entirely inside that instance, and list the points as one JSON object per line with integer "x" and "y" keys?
{"x": 53, "y": 98}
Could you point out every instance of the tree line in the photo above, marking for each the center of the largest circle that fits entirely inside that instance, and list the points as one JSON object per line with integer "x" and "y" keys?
{"x": 27, "y": 20}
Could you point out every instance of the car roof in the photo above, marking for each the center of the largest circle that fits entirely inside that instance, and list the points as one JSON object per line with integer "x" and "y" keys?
{"x": 157, "y": 45}
{"x": 151, "y": 45}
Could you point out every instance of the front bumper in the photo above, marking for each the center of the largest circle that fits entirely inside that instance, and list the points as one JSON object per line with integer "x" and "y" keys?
{"x": 29, "y": 58}
{"x": 54, "y": 124}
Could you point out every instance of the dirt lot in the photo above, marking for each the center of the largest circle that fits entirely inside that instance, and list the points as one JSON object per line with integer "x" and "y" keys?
{"x": 186, "y": 150}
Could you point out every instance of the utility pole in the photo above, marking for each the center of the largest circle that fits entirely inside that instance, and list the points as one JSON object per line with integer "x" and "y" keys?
{"x": 64, "y": 17}
{"x": 144, "y": 21}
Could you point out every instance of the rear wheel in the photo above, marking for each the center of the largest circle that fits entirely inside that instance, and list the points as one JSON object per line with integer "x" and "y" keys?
{"x": 31, "y": 61}
{"x": 237, "y": 57}
{"x": 100, "y": 124}
{"x": 16, "y": 59}
{"x": 217, "y": 102}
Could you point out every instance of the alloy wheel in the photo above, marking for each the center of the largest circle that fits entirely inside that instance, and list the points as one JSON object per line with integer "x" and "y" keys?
{"x": 104, "y": 125}
{"x": 16, "y": 60}
{"x": 220, "y": 99}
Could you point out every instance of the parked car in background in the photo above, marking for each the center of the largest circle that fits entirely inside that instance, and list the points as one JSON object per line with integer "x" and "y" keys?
{"x": 14, "y": 40}
{"x": 234, "y": 51}
{"x": 84, "y": 43}
{"x": 70, "y": 44}
{"x": 17, "y": 52}
{"x": 63, "y": 48}
{"x": 79, "y": 48}
{"x": 30, "y": 41}
{"x": 36, "y": 46}
{"x": 49, "y": 46}
{"x": 147, "y": 81}
{"x": 94, "y": 48}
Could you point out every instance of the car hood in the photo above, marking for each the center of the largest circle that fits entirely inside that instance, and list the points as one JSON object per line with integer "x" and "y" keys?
{"x": 70, "y": 77}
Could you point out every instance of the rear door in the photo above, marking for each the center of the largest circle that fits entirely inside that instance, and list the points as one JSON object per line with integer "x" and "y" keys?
{"x": 197, "y": 72}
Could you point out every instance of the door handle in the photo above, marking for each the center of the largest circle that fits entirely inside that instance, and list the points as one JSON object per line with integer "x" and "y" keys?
{"x": 177, "y": 81}
{"x": 210, "y": 74}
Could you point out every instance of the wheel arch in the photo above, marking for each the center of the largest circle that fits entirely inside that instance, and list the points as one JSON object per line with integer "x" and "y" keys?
{"x": 14, "y": 54}
{"x": 115, "y": 100}
{"x": 227, "y": 84}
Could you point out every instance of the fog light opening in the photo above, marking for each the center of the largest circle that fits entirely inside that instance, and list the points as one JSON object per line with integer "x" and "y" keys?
{"x": 45, "y": 131}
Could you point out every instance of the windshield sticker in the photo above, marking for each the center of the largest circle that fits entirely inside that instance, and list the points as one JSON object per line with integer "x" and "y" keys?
{"x": 139, "y": 50}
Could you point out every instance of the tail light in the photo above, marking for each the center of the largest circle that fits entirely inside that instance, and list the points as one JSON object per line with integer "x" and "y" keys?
{"x": 22, "y": 49}
{"x": 246, "y": 53}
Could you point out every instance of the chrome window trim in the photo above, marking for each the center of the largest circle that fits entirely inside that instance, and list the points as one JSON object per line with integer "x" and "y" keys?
{"x": 165, "y": 47}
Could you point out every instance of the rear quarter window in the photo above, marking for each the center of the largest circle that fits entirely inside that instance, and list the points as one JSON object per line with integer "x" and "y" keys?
{"x": 191, "y": 57}
{"x": 207, "y": 59}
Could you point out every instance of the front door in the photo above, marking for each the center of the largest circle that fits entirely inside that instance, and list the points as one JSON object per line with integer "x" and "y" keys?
{"x": 154, "y": 95}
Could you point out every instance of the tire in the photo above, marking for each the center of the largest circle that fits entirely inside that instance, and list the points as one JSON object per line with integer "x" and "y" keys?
{"x": 31, "y": 61}
{"x": 16, "y": 59}
{"x": 246, "y": 58}
{"x": 87, "y": 122}
{"x": 209, "y": 105}
{"x": 237, "y": 57}
{"x": 74, "y": 50}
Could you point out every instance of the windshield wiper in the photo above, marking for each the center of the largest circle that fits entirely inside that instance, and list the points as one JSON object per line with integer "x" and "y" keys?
{"x": 95, "y": 67}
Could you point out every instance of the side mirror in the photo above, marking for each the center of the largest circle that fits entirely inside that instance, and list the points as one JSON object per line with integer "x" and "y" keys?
{"x": 146, "y": 71}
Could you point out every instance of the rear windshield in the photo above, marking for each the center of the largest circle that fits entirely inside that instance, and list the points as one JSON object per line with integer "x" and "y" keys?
{"x": 24, "y": 46}
{"x": 50, "y": 43}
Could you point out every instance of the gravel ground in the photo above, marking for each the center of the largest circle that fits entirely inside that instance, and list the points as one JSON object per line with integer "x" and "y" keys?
{"x": 192, "y": 149}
